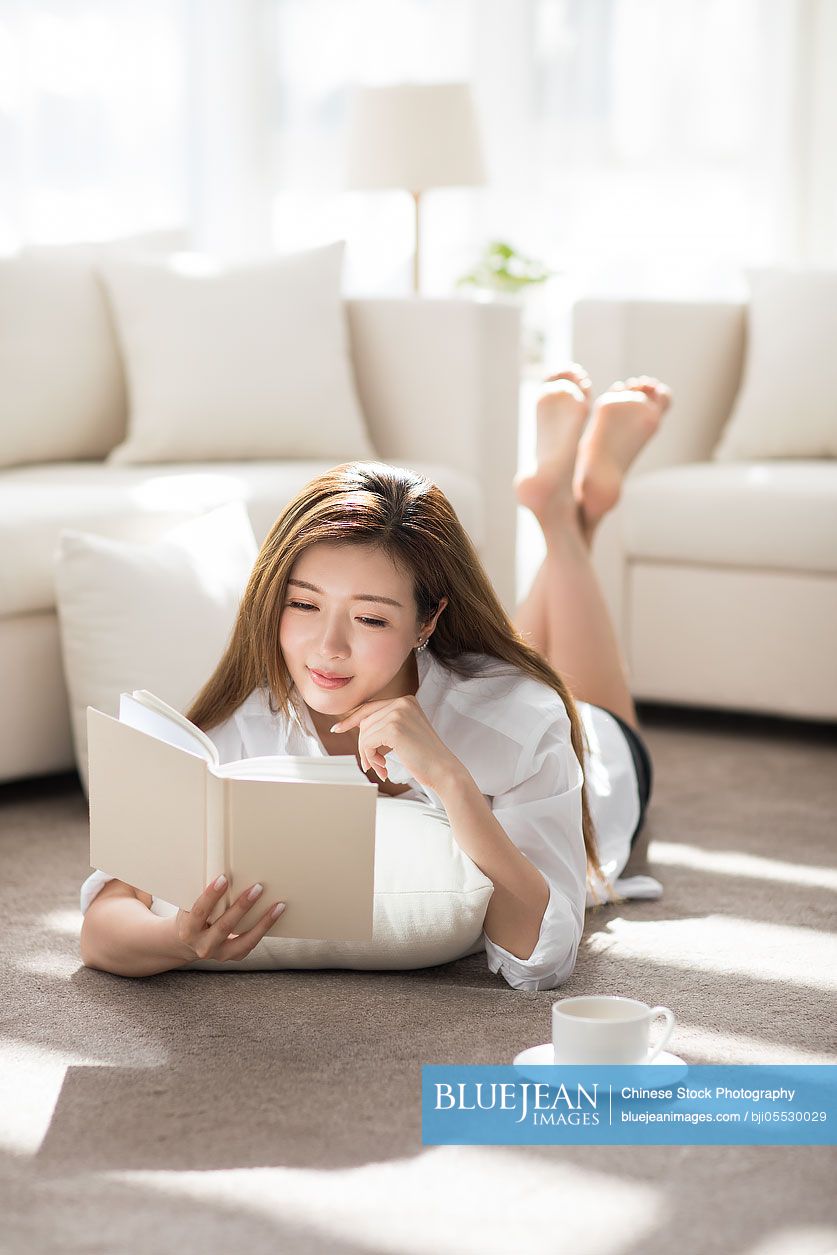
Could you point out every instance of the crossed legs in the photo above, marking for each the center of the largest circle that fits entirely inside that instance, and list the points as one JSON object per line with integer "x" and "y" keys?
{"x": 582, "y": 457}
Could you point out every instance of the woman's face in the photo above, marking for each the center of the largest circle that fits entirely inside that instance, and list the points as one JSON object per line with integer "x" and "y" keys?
{"x": 348, "y": 612}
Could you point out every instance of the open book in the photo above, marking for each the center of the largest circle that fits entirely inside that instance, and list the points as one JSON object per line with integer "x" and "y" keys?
{"x": 167, "y": 817}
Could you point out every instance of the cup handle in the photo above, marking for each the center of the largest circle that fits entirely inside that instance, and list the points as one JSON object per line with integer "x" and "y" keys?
{"x": 667, "y": 1031}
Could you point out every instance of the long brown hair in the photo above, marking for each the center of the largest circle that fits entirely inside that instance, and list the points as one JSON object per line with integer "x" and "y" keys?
{"x": 409, "y": 518}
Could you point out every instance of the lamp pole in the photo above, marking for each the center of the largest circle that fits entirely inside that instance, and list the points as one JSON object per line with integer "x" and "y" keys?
{"x": 417, "y": 254}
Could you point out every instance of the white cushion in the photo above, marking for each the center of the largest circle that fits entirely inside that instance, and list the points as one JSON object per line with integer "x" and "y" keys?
{"x": 62, "y": 387}
{"x": 154, "y": 616}
{"x": 787, "y": 405}
{"x": 62, "y": 390}
{"x": 429, "y": 905}
{"x": 777, "y": 515}
{"x": 141, "y": 503}
{"x": 239, "y": 361}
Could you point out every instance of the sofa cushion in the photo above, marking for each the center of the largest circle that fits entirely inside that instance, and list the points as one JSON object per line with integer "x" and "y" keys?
{"x": 140, "y": 503}
{"x": 236, "y": 361}
{"x": 787, "y": 406}
{"x": 62, "y": 389}
{"x": 148, "y": 616}
{"x": 62, "y": 385}
{"x": 430, "y": 901}
{"x": 779, "y": 515}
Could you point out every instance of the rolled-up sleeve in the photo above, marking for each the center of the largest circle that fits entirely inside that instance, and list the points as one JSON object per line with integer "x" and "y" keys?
{"x": 542, "y": 815}
{"x": 94, "y": 882}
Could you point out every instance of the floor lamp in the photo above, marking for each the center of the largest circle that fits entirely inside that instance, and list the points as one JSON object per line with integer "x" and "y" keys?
{"x": 414, "y": 136}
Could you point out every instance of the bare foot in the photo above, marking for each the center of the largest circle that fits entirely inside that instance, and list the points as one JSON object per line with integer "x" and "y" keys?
{"x": 623, "y": 420}
{"x": 562, "y": 411}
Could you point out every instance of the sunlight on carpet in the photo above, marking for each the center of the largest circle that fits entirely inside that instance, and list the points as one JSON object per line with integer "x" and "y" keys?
{"x": 797, "y": 1240}
{"x": 748, "y": 866}
{"x": 701, "y": 1045}
{"x": 31, "y": 1078}
{"x": 378, "y": 1204}
{"x": 728, "y": 945}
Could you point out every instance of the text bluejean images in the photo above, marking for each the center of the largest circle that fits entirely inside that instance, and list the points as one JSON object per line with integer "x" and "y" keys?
{"x": 700, "y": 1104}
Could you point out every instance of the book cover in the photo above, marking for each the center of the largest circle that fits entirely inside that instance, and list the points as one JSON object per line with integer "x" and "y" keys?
{"x": 167, "y": 817}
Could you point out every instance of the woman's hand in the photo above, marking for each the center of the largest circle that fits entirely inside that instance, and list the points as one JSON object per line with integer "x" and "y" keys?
{"x": 201, "y": 940}
{"x": 400, "y": 724}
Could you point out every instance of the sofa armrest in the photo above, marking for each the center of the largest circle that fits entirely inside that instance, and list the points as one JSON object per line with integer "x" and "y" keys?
{"x": 696, "y": 347}
{"x": 439, "y": 382}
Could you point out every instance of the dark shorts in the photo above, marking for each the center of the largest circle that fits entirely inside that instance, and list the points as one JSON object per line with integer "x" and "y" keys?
{"x": 642, "y": 765}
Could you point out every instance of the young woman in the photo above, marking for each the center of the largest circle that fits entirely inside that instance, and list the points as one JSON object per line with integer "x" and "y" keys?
{"x": 368, "y": 626}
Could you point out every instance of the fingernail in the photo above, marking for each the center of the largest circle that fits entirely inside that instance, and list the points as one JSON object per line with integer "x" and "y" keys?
{"x": 255, "y": 891}
{"x": 278, "y": 909}
{"x": 334, "y": 728}
{"x": 220, "y": 882}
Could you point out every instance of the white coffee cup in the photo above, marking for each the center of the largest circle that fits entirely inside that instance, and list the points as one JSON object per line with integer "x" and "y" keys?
{"x": 604, "y": 1028}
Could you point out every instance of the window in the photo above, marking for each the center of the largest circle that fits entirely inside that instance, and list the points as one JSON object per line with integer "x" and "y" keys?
{"x": 638, "y": 146}
{"x": 93, "y": 119}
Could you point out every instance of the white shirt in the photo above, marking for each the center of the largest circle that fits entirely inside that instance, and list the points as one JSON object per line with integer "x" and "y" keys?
{"x": 512, "y": 733}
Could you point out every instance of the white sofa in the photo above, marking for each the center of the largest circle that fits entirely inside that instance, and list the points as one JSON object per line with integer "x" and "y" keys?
{"x": 438, "y": 382}
{"x": 721, "y": 576}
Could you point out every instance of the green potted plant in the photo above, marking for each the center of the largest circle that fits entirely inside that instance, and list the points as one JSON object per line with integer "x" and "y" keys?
{"x": 501, "y": 268}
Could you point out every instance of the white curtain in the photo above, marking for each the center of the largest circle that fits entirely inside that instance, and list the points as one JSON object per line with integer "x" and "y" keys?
{"x": 93, "y": 119}
{"x": 635, "y": 145}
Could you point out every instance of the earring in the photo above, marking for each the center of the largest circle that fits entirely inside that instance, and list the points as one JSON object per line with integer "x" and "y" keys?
{"x": 421, "y": 646}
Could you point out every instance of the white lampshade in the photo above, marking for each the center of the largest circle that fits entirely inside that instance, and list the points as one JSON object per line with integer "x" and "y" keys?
{"x": 414, "y": 136}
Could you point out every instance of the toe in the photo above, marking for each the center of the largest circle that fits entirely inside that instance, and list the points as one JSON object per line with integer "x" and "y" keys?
{"x": 648, "y": 387}
{"x": 554, "y": 394}
{"x": 578, "y": 378}
{"x": 658, "y": 392}
{"x": 574, "y": 372}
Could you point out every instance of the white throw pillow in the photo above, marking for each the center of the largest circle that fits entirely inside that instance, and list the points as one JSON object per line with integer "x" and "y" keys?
{"x": 429, "y": 907}
{"x": 155, "y": 616}
{"x": 787, "y": 405}
{"x": 62, "y": 391}
{"x": 249, "y": 360}
{"x": 62, "y": 386}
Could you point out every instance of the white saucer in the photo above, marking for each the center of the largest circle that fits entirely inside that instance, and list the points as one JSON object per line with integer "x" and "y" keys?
{"x": 545, "y": 1054}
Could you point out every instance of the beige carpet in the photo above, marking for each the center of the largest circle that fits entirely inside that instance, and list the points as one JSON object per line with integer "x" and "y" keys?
{"x": 271, "y": 1112}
